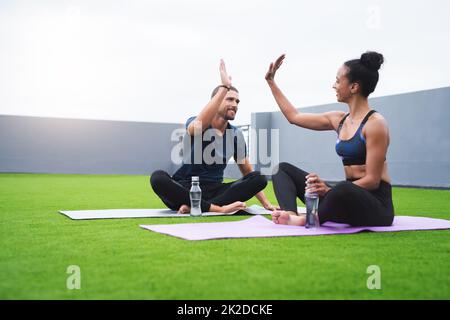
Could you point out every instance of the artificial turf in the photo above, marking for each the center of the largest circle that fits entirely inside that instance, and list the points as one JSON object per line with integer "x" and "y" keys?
{"x": 119, "y": 260}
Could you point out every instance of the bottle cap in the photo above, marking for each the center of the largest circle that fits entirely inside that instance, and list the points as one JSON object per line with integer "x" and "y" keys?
{"x": 195, "y": 179}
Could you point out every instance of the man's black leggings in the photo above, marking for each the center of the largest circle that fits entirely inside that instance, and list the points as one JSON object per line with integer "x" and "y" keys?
{"x": 174, "y": 194}
{"x": 344, "y": 203}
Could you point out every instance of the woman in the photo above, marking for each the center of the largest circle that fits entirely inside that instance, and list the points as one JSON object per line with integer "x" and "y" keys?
{"x": 365, "y": 198}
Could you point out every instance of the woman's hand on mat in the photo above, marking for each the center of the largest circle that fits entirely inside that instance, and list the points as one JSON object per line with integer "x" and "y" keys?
{"x": 224, "y": 77}
{"x": 270, "y": 75}
{"x": 184, "y": 209}
{"x": 315, "y": 185}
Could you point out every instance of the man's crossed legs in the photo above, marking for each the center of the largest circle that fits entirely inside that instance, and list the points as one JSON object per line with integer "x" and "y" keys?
{"x": 227, "y": 196}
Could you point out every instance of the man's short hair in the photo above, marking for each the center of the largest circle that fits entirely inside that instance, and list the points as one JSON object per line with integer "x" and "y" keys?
{"x": 217, "y": 89}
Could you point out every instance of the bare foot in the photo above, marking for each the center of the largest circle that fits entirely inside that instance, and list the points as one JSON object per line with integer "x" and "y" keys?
{"x": 184, "y": 209}
{"x": 288, "y": 217}
{"x": 235, "y": 206}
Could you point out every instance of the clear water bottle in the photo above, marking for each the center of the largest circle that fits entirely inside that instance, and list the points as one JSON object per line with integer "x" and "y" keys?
{"x": 312, "y": 210}
{"x": 196, "y": 196}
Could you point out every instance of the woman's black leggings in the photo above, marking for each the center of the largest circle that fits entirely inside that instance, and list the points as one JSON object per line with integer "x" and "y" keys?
{"x": 174, "y": 194}
{"x": 344, "y": 203}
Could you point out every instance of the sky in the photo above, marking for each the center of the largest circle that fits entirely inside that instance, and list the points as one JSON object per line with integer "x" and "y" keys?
{"x": 158, "y": 61}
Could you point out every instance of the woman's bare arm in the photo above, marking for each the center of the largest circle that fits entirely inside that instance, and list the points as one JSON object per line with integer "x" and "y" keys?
{"x": 320, "y": 121}
{"x": 377, "y": 142}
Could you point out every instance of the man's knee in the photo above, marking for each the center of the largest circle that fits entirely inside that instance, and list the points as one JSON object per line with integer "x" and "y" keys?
{"x": 257, "y": 178}
{"x": 262, "y": 181}
{"x": 157, "y": 178}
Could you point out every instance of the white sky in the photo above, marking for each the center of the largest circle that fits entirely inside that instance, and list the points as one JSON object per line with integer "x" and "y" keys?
{"x": 158, "y": 60}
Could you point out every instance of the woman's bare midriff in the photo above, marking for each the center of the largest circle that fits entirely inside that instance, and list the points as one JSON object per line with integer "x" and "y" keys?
{"x": 359, "y": 171}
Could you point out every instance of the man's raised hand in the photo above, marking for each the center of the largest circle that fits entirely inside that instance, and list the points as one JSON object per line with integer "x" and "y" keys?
{"x": 224, "y": 77}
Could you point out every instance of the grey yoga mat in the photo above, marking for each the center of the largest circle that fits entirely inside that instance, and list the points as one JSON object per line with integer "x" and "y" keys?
{"x": 154, "y": 213}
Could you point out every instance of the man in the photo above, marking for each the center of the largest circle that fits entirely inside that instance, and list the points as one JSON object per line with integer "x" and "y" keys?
{"x": 209, "y": 143}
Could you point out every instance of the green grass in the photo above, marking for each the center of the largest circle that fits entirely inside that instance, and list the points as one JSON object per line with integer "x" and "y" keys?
{"x": 119, "y": 260}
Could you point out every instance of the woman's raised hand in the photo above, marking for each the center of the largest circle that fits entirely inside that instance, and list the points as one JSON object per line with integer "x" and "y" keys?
{"x": 224, "y": 77}
{"x": 270, "y": 75}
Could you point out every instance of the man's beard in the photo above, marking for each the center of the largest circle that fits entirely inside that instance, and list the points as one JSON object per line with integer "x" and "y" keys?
{"x": 227, "y": 117}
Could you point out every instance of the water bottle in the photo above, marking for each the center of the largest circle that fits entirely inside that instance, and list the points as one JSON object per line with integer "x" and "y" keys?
{"x": 196, "y": 196}
{"x": 312, "y": 210}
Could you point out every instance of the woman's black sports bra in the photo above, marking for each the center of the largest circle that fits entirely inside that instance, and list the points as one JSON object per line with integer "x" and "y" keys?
{"x": 353, "y": 151}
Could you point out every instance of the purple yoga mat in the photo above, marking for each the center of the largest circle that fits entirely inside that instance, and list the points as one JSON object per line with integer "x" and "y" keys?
{"x": 261, "y": 227}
